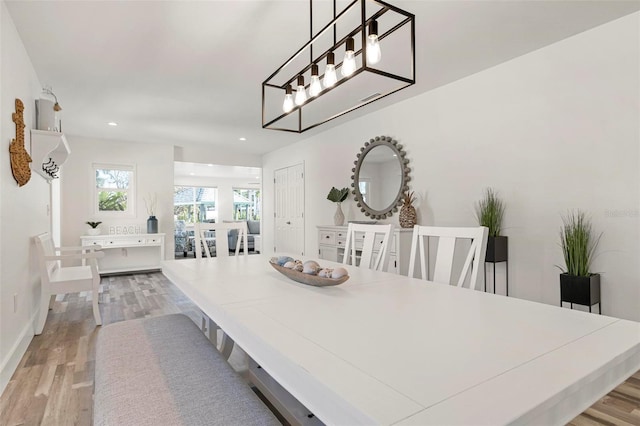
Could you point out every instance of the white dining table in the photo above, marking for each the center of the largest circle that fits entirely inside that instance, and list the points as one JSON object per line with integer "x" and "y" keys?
{"x": 387, "y": 349}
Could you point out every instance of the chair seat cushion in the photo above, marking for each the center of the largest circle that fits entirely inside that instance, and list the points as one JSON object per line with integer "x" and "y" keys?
{"x": 163, "y": 370}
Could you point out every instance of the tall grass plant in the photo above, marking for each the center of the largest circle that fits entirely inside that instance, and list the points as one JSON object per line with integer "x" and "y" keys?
{"x": 490, "y": 212}
{"x": 578, "y": 243}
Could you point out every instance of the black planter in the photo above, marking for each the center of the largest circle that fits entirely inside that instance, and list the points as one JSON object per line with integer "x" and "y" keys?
{"x": 580, "y": 290}
{"x": 497, "y": 249}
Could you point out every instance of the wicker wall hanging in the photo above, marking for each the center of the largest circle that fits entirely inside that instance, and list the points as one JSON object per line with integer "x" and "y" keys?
{"x": 20, "y": 158}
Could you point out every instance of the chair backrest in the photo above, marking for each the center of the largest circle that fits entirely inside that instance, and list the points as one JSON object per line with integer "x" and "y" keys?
{"x": 368, "y": 240}
{"x": 45, "y": 247}
{"x": 221, "y": 237}
{"x": 443, "y": 267}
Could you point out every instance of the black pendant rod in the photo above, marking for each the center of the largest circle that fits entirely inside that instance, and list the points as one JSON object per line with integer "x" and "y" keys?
{"x": 363, "y": 12}
{"x": 334, "y": 25}
{"x": 311, "y": 30}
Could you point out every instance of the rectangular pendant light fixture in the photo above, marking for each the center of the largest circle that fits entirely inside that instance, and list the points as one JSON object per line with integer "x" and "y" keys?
{"x": 369, "y": 47}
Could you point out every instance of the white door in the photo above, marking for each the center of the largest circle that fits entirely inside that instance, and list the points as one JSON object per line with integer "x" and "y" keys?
{"x": 289, "y": 210}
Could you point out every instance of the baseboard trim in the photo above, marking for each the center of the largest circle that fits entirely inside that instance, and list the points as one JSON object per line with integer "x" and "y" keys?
{"x": 11, "y": 361}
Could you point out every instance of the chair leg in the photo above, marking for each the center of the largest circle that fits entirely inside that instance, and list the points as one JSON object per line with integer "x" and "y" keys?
{"x": 45, "y": 300}
{"x": 213, "y": 332}
{"x": 96, "y": 308}
{"x": 227, "y": 345}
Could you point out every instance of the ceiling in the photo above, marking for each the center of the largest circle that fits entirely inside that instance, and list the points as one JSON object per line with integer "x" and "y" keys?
{"x": 190, "y": 72}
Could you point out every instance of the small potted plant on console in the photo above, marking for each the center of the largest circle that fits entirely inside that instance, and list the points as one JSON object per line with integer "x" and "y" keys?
{"x": 338, "y": 196}
{"x": 93, "y": 228}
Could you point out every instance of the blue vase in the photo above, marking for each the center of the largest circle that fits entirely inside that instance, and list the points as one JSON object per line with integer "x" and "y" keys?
{"x": 152, "y": 225}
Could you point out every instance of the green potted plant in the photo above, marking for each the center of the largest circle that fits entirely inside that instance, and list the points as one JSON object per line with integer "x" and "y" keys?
{"x": 93, "y": 228}
{"x": 577, "y": 283}
{"x": 490, "y": 212}
{"x": 338, "y": 196}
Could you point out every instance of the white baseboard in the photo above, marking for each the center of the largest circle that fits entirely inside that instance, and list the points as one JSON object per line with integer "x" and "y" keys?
{"x": 11, "y": 361}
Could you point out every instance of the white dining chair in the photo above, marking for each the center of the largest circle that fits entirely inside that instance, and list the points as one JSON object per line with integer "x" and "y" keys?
{"x": 370, "y": 243}
{"x": 222, "y": 230}
{"x": 444, "y": 259}
{"x": 221, "y": 238}
{"x": 59, "y": 279}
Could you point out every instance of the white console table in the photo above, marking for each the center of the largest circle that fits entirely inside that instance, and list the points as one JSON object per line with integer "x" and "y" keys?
{"x": 332, "y": 239}
{"x": 128, "y": 253}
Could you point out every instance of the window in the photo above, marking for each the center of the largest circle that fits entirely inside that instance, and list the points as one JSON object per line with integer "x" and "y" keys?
{"x": 114, "y": 189}
{"x": 195, "y": 204}
{"x": 246, "y": 204}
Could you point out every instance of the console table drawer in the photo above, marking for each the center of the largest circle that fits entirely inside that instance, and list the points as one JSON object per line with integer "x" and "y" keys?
{"x": 328, "y": 237}
{"x": 128, "y": 242}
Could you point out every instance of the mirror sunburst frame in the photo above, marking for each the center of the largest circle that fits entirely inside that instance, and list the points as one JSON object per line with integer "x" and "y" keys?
{"x": 405, "y": 178}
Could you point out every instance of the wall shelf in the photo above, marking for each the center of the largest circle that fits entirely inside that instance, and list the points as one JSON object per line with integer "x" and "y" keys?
{"x": 49, "y": 150}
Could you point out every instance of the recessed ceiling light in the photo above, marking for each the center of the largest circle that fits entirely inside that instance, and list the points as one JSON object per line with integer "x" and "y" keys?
{"x": 242, "y": 139}
{"x": 192, "y": 174}
{"x": 210, "y": 165}
{"x": 112, "y": 123}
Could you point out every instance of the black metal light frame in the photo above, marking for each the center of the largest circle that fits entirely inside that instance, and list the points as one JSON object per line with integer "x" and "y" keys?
{"x": 409, "y": 19}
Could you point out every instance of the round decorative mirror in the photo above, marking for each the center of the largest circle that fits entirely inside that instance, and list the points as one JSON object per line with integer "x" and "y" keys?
{"x": 380, "y": 176}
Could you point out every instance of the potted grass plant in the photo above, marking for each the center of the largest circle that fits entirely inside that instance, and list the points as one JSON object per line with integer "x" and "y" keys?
{"x": 577, "y": 283}
{"x": 490, "y": 212}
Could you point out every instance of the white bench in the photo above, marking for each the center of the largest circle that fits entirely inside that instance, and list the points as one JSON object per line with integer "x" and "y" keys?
{"x": 164, "y": 371}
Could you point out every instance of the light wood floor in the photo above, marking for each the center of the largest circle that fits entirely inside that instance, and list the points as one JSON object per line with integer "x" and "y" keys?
{"x": 53, "y": 384}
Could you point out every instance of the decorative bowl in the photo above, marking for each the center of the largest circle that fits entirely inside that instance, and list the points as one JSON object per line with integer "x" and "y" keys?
{"x": 308, "y": 279}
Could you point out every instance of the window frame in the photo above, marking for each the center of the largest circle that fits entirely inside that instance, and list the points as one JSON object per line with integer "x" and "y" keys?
{"x": 131, "y": 191}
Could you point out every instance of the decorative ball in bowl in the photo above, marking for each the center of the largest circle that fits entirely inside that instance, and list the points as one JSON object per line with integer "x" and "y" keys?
{"x": 309, "y": 272}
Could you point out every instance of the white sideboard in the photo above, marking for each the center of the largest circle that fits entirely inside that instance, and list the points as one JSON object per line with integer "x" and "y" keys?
{"x": 128, "y": 253}
{"x": 332, "y": 239}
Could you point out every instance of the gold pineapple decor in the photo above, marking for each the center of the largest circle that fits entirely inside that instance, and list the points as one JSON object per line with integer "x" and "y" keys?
{"x": 408, "y": 216}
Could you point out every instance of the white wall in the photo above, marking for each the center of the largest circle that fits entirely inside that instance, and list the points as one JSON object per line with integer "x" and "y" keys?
{"x": 154, "y": 175}
{"x": 23, "y": 210}
{"x": 553, "y": 130}
{"x": 227, "y": 156}
{"x": 225, "y": 190}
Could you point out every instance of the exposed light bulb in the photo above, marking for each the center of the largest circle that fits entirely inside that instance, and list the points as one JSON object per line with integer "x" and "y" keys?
{"x": 349, "y": 62}
{"x": 287, "y": 105}
{"x": 315, "y": 87}
{"x": 301, "y": 93}
{"x": 330, "y": 77}
{"x": 374, "y": 54}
